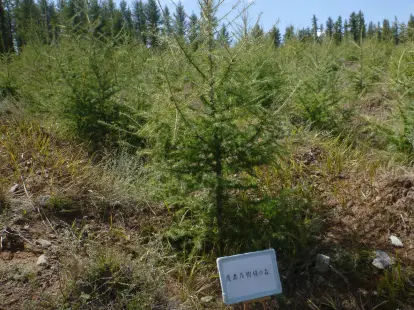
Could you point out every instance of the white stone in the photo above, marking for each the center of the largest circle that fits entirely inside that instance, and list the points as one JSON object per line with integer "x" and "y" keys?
{"x": 14, "y": 188}
{"x": 42, "y": 260}
{"x": 44, "y": 243}
{"x": 395, "y": 241}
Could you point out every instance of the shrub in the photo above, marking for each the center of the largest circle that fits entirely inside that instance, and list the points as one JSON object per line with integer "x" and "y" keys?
{"x": 400, "y": 135}
{"x": 285, "y": 222}
{"x": 8, "y": 84}
{"x": 110, "y": 281}
{"x": 320, "y": 101}
{"x": 90, "y": 103}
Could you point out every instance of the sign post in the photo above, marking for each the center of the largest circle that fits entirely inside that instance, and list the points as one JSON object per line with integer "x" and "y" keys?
{"x": 249, "y": 278}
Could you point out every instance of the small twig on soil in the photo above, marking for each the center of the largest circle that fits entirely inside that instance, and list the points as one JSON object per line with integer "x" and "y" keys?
{"x": 402, "y": 218}
{"x": 25, "y": 190}
{"x": 383, "y": 303}
{"x": 148, "y": 205}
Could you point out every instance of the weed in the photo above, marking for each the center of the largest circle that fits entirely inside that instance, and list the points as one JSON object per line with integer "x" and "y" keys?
{"x": 395, "y": 286}
{"x": 111, "y": 281}
{"x": 60, "y": 204}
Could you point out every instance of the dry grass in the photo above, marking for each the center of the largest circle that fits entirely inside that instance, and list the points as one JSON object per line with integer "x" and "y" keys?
{"x": 44, "y": 165}
{"x": 62, "y": 194}
{"x": 38, "y": 161}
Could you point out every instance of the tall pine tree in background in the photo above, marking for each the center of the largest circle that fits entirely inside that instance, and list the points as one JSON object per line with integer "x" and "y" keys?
{"x": 362, "y": 28}
{"x": 118, "y": 23}
{"x": 3, "y": 32}
{"x": 94, "y": 11}
{"x": 396, "y": 31}
{"x": 54, "y": 25}
{"x": 167, "y": 22}
{"x": 379, "y": 32}
{"x": 6, "y": 32}
{"x": 107, "y": 18}
{"x": 193, "y": 31}
{"x": 410, "y": 28}
{"x": 43, "y": 9}
{"x": 289, "y": 33}
{"x": 354, "y": 27}
{"x": 329, "y": 28}
{"x": 224, "y": 36}
{"x": 347, "y": 33}
{"x": 386, "y": 30}
{"x": 403, "y": 36}
{"x": 257, "y": 31}
{"x": 74, "y": 14}
{"x": 275, "y": 36}
{"x": 338, "y": 31}
{"x": 140, "y": 21}
{"x": 305, "y": 35}
{"x": 315, "y": 28}
{"x": 180, "y": 21}
{"x": 153, "y": 16}
{"x": 372, "y": 31}
{"x": 126, "y": 17}
{"x": 27, "y": 20}
{"x": 48, "y": 20}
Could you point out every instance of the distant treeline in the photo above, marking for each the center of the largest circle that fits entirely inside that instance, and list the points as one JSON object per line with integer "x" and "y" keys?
{"x": 144, "y": 21}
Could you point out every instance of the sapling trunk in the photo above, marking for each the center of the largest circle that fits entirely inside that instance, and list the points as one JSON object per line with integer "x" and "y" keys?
{"x": 218, "y": 169}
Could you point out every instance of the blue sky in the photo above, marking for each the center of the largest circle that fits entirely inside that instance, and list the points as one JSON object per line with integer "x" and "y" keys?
{"x": 299, "y": 12}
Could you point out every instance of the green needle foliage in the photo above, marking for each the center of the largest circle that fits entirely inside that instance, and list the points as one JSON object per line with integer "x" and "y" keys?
{"x": 319, "y": 98}
{"x": 211, "y": 128}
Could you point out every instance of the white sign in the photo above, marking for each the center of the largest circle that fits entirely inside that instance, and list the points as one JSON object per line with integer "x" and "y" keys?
{"x": 249, "y": 276}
